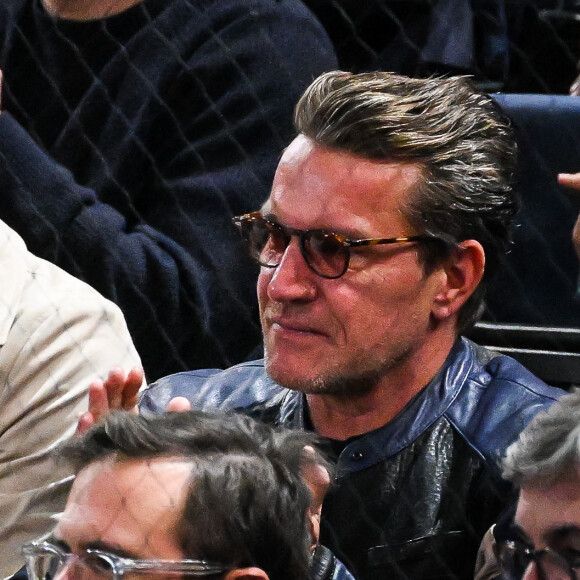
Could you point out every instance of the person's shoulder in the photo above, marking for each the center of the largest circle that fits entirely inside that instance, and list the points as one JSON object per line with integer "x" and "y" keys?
{"x": 497, "y": 400}
{"x": 292, "y": 8}
{"x": 54, "y": 292}
{"x": 503, "y": 376}
{"x": 281, "y": 25}
{"x": 492, "y": 375}
{"x": 39, "y": 289}
{"x": 240, "y": 386}
{"x": 218, "y": 13}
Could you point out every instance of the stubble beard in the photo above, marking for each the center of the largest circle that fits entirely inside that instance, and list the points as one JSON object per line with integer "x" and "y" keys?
{"x": 353, "y": 378}
{"x": 337, "y": 383}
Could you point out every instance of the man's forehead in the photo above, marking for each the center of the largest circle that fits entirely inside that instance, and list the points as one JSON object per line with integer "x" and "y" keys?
{"x": 559, "y": 512}
{"x": 299, "y": 148}
{"x": 126, "y": 503}
{"x": 316, "y": 186}
{"x": 303, "y": 148}
{"x": 125, "y": 471}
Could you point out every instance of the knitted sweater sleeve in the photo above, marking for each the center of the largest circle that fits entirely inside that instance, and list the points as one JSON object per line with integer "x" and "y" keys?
{"x": 174, "y": 263}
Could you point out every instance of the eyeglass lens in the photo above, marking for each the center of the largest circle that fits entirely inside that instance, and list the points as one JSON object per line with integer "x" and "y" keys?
{"x": 323, "y": 252}
{"x": 267, "y": 242}
{"x": 53, "y": 566}
{"x": 553, "y": 566}
{"x": 516, "y": 557}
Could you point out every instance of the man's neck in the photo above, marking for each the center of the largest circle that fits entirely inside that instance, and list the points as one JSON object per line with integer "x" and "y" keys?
{"x": 86, "y": 10}
{"x": 339, "y": 418}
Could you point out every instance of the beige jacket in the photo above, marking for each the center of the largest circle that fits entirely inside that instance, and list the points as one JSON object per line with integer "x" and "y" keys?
{"x": 57, "y": 334}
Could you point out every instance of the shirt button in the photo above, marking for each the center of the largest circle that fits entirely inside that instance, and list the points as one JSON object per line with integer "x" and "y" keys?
{"x": 357, "y": 456}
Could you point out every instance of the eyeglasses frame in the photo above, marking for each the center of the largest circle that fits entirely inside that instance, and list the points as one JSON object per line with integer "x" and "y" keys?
{"x": 120, "y": 565}
{"x": 536, "y": 556}
{"x": 345, "y": 242}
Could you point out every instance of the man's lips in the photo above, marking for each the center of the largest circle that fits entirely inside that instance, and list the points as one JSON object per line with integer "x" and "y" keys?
{"x": 291, "y": 325}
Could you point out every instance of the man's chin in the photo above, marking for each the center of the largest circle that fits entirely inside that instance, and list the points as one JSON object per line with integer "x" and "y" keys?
{"x": 303, "y": 377}
{"x": 294, "y": 373}
{"x": 280, "y": 370}
{"x": 317, "y": 379}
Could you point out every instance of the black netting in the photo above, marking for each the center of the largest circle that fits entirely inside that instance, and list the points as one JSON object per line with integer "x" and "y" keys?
{"x": 128, "y": 143}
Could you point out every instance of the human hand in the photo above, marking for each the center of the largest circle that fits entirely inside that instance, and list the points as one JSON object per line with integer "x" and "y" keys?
{"x": 118, "y": 391}
{"x": 574, "y": 90}
{"x": 572, "y": 181}
{"x": 318, "y": 480}
{"x": 179, "y": 405}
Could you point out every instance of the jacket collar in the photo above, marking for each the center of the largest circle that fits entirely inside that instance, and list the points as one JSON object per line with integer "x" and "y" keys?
{"x": 428, "y": 406}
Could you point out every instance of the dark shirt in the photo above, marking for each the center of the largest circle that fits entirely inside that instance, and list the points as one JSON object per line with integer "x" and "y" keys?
{"x": 127, "y": 144}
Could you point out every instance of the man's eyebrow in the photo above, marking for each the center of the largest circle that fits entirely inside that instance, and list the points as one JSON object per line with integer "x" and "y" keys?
{"x": 52, "y": 539}
{"x": 272, "y": 218}
{"x": 93, "y": 545}
{"x": 517, "y": 532}
{"x": 561, "y": 532}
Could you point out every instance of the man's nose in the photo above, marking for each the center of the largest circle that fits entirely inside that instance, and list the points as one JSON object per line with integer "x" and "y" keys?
{"x": 293, "y": 279}
{"x": 74, "y": 568}
{"x": 533, "y": 573}
{"x": 66, "y": 572}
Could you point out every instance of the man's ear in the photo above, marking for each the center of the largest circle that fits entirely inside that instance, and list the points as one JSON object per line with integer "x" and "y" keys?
{"x": 246, "y": 574}
{"x": 463, "y": 272}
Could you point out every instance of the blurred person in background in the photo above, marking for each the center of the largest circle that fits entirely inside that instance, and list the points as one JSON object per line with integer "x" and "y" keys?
{"x": 542, "y": 539}
{"x": 57, "y": 334}
{"x": 131, "y": 132}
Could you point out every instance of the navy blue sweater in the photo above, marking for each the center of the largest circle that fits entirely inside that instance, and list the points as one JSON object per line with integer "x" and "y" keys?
{"x": 127, "y": 144}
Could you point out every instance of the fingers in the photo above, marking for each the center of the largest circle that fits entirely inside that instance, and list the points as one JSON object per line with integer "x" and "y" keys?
{"x": 571, "y": 180}
{"x": 118, "y": 391}
{"x": 98, "y": 406}
{"x": 123, "y": 389}
{"x": 574, "y": 90}
{"x": 179, "y": 405}
{"x": 130, "y": 393}
{"x": 576, "y": 237}
{"x": 86, "y": 420}
{"x": 114, "y": 385}
{"x": 98, "y": 400}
